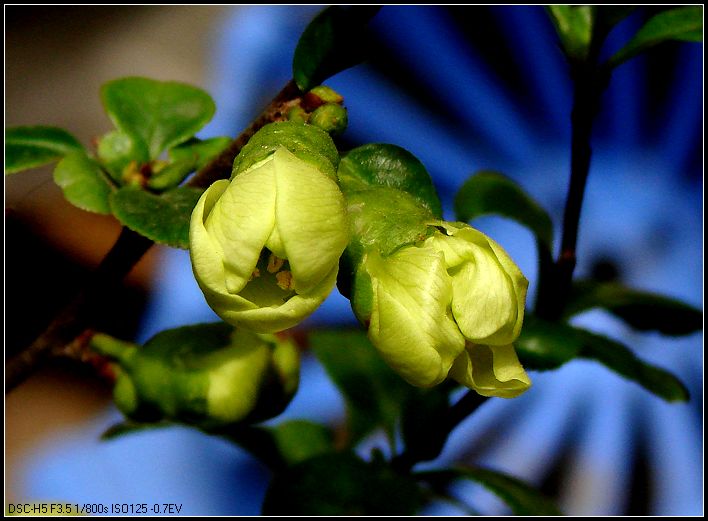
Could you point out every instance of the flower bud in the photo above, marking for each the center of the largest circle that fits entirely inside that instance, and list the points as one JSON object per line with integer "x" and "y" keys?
{"x": 209, "y": 375}
{"x": 449, "y": 305}
{"x": 331, "y": 118}
{"x": 265, "y": 246}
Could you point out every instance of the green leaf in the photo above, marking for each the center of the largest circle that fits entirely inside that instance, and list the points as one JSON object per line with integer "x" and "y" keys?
{"x": 622, "y": 360}
{"x": 546, "y": 345}
{"x": 157, "y": 114}
{"x": 682, "y": 23}
{"x": 201, "y": 151}
{"x": 129, "y": 427}
{"x": 83, "y": 183}
{"x": 640, "y": 309}
{"x": 30, "y": 147}
{"x": 523, "y": 499}
{"x": 373, "y": 392}
{"x": 492, "y": 193}
{"x": 116, "y": 150}
{"x": 574, "y": 27}
{"x": 390, "y": 166}
{"x": 162, "y": 218}
{"x": 300, "y": 440}
{"x": 341, "y": 484}
{"x": 171, "y": 175}
{"x": 333, "y": 41}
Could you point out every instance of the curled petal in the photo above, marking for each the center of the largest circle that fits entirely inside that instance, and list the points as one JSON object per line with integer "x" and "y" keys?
{"x": 411, "y": 324}
{"x": 491, "y": 371}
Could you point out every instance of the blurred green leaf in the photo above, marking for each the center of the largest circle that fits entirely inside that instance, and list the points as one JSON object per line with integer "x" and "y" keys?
{"x": 608, "y": 16}
{"x": 299, "y": 440}
{"x": 332, "y": 42}
{"x": 129, "y": 427}
{"x": 640, "y": 309}
{"x": 622, "y": 360}
{"x": 523, "y": 499}
{"x": 156, "y": 114}
{"x": 172, "y": 174}
{"x": 383, "y": 165}
{"x": 202, "y": 151}
{"x": 341, "y": 484}
{"x": 373, "y": 392}
{"x": 30, "y": 147}
{"x": 116, "y": 150}
{"x": 83, "y": 182}
{"x": 493, "y": 193}
{"x": 162, "y": 218}
{"x": 574, "y": 27}
{"x": 546, "y": 345}
{"x": 682, "y": 23}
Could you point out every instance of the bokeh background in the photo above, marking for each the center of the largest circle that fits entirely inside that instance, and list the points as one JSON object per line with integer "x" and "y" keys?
{"x": 464, "y": 89}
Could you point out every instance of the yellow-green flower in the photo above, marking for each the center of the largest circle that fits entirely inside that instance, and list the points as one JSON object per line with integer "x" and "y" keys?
{"x": 450, "y": 305}
{"x": 208, "y": 375}
{"x": 265, "y": 245}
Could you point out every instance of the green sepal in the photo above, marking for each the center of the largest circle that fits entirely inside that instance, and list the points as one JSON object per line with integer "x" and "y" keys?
{"x": 378, "y": 165}
{"x": 306, "y": 142}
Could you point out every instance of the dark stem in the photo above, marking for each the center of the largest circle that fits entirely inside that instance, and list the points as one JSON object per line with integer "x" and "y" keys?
{"x": 75, "y": 319}
{"x": 465, "y": 406}
{"x": 590, "y": 81}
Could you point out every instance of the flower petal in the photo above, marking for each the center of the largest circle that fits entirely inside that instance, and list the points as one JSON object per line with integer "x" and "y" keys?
{"x": 410, "y": 321}
{"x": 242, "y": 220}
{"x": 491, "y": 371}
{"x": 311, "y": 220}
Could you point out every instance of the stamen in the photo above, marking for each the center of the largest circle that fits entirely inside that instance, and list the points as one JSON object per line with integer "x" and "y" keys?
{"x": 274, "y": 263}
{"x": 284, "y": 280}
{"x": 256, "y": 273}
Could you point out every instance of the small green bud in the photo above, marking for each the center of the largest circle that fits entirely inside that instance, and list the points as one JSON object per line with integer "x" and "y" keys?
{"x": 326, "y": 94}
{"x": 208, "y": 375}
{"x": 331, "y": 118}
{"x": 298, "y": 115}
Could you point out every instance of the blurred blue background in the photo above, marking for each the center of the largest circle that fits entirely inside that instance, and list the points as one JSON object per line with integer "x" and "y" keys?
{"x": 465, "y": 89}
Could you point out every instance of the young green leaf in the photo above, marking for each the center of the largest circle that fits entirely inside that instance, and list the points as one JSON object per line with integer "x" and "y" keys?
{"x": 373, "y": 392}
{"x": 341, "y": 484}
{"x": 546, "y": 345}
{"x": 202, "y": 151}
{"x": 382, "y": 165}
{"x": 640, "y": 309}
{"x": 682, "y": 23}
{"x": 523, "y": 499}
{"x": 492, "y": 193}
{"x": 300, "y": 440}
{"x": 156, "y": 114}
{"x": 574, "y": 27}
{"x": 172, "y": 174}
{"x": 83, "y": 183}
{"x": 116, "y": 150}
{"x": 162, "y": 218}
{"x": 30, "y": 147}
{"x": 332, "y": 42}
{"x": 620, "y": 359}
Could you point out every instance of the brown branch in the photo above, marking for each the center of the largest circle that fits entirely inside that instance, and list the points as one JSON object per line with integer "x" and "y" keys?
{"x": 75, "y": 319}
